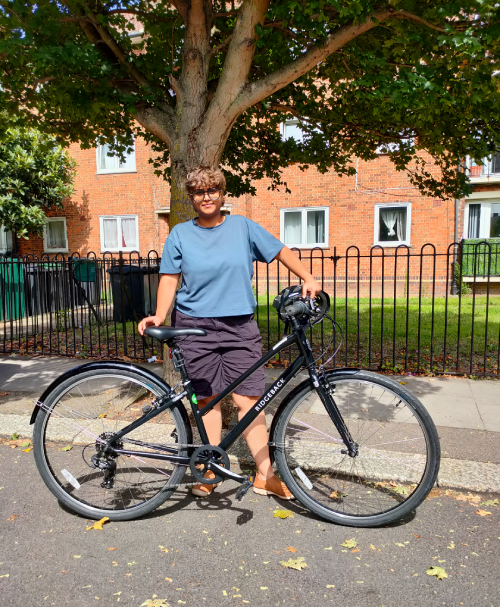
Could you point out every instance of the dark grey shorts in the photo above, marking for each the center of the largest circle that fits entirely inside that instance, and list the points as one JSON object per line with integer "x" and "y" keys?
{"x": 231, "y": 346}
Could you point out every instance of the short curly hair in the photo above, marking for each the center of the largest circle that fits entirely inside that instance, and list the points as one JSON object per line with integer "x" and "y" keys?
{"x": 205, "y": 177}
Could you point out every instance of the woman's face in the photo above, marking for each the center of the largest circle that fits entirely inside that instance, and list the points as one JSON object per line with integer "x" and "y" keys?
{"x": 207, "y": 202}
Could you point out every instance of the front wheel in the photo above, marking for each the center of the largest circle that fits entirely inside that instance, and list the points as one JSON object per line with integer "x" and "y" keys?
{"x": 79, "y": 416}
{"x": 398, "y": 451}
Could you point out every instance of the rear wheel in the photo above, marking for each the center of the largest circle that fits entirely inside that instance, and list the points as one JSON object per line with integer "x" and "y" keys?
{"x": 398, "y": 451}
{"x": 79, "y": 416}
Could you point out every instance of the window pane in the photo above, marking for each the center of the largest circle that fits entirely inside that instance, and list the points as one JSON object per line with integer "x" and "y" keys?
{"x": 5, "y": 240}
{"x": 315, "y": 227}
{"x": 110, "y": 236}
{"x": 129, "y": 232}
{"x": 495, "y": 220}
{"x": 56, "y": 235}
{"x": 129, "y": 161}
{"x": 474, "y": 217}
{"x": 495, "y": 163}
{"x": 392, "y": 224}
{"x": 105, "y": 157}
{"x": 293, "y": 228}
{"x": 292, "y": 130}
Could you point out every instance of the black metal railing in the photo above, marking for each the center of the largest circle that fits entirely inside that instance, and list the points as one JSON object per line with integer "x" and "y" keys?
{"x": 395, "y": 307}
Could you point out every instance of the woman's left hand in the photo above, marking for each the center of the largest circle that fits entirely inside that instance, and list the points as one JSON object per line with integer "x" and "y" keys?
{"x": 311, "y": 288}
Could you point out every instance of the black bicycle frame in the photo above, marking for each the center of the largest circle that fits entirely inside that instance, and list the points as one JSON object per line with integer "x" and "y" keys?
{"x": 305, "y": 359}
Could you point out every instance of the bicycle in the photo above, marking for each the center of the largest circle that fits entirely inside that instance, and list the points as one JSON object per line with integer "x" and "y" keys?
{"x": 353, "y": 447}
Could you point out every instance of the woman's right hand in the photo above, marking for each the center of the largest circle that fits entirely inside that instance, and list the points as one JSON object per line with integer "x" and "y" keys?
{"x": 149, "y": 321}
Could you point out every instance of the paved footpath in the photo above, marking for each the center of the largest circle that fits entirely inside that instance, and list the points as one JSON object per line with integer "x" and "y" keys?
{"x": 466, "y": 412}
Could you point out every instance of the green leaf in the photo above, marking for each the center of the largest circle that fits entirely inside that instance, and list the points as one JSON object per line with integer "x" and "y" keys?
{"x": 26, "y": 444}
{"x": 298, "y": 563}
{"x": 67, "y": 448}
{"x": 439, "y": 572}
{"x": 14, "y": 436}
{"x": 494, "y": 502}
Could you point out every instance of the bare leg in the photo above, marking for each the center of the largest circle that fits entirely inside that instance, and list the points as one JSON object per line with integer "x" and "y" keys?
{"x": 212, "y": 420}
{"x": 256, "y": 436}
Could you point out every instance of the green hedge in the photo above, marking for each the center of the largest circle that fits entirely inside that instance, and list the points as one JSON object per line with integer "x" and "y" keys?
{"x": 475, "y": 258}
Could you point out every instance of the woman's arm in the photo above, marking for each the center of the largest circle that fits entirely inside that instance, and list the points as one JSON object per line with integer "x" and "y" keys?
{"x": 164, "y": 299}
{"x": 293, "y": 263}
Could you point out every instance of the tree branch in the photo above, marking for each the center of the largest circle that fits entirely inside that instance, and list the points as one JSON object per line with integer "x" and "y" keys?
{"x": 416, "y": 19}
{"x": 256, "y": 91}
{"x": 139, "y": 14}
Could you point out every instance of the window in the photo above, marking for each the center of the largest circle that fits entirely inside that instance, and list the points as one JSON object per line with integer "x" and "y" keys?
{"x": 306, "y": 227}
{"x": 119, "y": 233}
{"x": 489, "y": 168}
{"x": 55, "y": 237}
{"x": 109, "y": 162}
{"x": 5, "y": 240}
{"x": 392, "y": 224}
{"x": 291, "y": 130}
{"x": 482, "y": 219}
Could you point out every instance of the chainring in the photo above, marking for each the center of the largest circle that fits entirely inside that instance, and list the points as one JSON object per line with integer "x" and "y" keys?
{"x": 201, "y": 459}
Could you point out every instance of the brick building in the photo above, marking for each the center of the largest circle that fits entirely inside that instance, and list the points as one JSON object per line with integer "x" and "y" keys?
{"x": 122, "y": 206}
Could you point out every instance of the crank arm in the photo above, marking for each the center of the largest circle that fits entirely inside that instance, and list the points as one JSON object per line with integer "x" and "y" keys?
{"x": 225, "y": 473}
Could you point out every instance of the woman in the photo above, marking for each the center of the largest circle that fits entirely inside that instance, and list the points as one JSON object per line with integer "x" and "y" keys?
{"x": 215, "y": 255}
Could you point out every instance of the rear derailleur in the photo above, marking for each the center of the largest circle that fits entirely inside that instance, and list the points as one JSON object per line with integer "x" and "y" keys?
{"x": 105, "y": 459}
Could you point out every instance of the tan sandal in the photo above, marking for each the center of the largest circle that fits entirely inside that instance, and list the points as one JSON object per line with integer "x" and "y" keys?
{"x": 272, "y": 486}
{"x": 203, "y": 490}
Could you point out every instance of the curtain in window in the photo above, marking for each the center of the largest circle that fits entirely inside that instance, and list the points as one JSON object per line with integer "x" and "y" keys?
{"x": 395, "y": 222}
{"x": 293, "y": 228}
{"x": 315, "y": 227}
{"x": 104, "y": 157}
{"x": 5, "y": 240}
{"x": 56, "y": 236}
{"x": 128, "y": 232}
{"x": 474, "y": 219}
{"x": 110, "y": 236}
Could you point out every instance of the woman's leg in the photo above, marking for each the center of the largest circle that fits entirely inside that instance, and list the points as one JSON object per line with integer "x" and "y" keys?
{"x": 256, "y": 436}
{"x": 212, "y": 420}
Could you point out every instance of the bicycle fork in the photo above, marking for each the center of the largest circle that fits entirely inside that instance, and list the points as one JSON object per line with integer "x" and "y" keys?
{"x": 326, "y": 391}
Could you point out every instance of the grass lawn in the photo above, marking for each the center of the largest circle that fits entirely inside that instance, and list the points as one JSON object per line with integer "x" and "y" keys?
{"x": 408, "y": 333}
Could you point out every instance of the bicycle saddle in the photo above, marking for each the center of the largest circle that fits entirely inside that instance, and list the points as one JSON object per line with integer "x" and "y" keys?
{"x": 166, "y": 333}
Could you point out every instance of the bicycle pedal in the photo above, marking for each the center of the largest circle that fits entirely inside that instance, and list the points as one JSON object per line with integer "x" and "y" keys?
{"x": 242, "y": 489}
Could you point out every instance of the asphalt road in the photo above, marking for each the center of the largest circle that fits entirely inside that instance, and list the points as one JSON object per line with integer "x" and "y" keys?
{"x": 218, "y": 552}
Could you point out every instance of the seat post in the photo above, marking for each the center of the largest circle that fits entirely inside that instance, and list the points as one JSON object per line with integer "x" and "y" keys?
{"x": 178, "y": 359}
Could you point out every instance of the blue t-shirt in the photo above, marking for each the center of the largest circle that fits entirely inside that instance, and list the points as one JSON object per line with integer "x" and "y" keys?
{"x": 217, "y": 265}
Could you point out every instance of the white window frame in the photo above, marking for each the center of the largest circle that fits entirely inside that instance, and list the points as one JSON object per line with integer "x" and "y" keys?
{"x": 294, "y": 122}
{"x": 119, "y": 219}
{"x": 46, "y": 248}
{"x": 117, "y": 169}
{"x": 484, "y": 218}
{"x": 376, "y": 230}
{"x": 304, "y": 210}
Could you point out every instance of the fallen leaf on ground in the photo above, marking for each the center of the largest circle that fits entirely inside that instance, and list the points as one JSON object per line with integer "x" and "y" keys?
{"x": 14, "y": 436}
{"x": 491, "y": 502}
{"x": 113, "y": 548}
{"x": 163, "y": 549}
{"x": 330, "y": 585}
{"x": 27, "y": 450}
{"x": 13, "y": 517}
{"x": 451, "y": 546}
{"x": 4, "y": 393}
{"x": 67, "y": 448}
{"x": 400, "y": 545}
{"x": 355, "y": 550}
{"x": 155, "y": 603}
{"x": 337, "y": 495}
{"x": 263, "y": 588}
{"x": 329, "y": 548}
{"x": 25, "y": 444}
{"x": 349, "y": 544}
{"x": 439, "y": 572}
{"x": 298, "y": 563}
{"x": 98, "y": 524}
{"x": 482, "y": 512}
{"x": 291, "y": 549}
{"x": 283, "y": 514}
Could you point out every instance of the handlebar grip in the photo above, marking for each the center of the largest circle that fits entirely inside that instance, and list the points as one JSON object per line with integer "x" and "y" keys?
{"x": 297, "y": 308}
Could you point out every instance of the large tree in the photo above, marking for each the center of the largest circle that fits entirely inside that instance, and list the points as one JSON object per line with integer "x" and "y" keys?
{"x": 208, "y": 82}
{"x": 36, "y": 175}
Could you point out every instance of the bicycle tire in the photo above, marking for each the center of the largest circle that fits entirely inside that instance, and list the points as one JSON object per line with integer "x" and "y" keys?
{"x": 77, "y": 414}
{"x": 398, "y": 458}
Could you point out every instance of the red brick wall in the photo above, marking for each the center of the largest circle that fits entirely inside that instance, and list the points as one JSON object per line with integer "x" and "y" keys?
{"x": 351, "y": 201}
